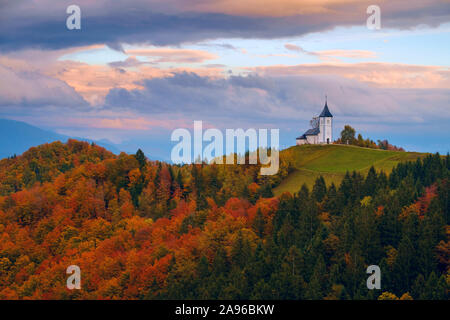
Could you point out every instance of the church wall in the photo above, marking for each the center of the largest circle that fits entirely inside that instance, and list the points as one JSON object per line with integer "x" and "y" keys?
{"x": 312, "y": 139}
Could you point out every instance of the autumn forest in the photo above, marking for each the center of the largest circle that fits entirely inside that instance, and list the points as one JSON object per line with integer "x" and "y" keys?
{"x": 141, "y": 229}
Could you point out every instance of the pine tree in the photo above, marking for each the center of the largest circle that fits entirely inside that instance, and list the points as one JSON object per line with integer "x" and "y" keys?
{"x": 371, "y": 182}
{"x": 259, "y": 223}
{"x": 319, "y": 189}
{"x": 417, "y": 289}
{"x": 140, "y": 157}
{"x": 404, "y": 269}
{"x": 266, "y": 191}
{"x": 316, "y": 285}
{"x": 203, "y": 269}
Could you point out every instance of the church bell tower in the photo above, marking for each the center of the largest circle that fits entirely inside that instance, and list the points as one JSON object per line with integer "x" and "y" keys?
{"x": 326, "y": 125}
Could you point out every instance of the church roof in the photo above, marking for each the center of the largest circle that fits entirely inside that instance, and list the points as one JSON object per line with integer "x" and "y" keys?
{"x": 302, "y": 137}
{"x": 325, "y": 112}
{"x": 312, "y": 132}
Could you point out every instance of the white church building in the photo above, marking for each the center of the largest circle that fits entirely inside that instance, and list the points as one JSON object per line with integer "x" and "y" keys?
{"x": 322, "y": 129}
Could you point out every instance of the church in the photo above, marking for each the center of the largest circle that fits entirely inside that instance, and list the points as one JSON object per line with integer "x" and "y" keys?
{"x": 322, "y": 129}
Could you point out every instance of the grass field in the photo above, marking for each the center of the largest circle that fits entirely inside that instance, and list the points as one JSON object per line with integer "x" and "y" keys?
{"x": 333, "y": 161}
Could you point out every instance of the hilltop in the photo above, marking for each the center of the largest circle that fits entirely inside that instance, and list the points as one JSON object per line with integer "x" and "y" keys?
{"x": 308, "y": 162}
{"x": 45, "y": 162}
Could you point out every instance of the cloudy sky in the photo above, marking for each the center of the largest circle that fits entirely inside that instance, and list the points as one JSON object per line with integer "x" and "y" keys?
{"x": 139, "y": 69}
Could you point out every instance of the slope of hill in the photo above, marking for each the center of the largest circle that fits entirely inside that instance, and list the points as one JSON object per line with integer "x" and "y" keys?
{"x": 16, "y": 137}
{"x": 333, "y": 161}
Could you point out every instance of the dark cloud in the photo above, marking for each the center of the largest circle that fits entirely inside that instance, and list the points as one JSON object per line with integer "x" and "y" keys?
{"x": 130, "y": 27}
{"x": 42, "y": 24}
{"x": 218, "y": 45}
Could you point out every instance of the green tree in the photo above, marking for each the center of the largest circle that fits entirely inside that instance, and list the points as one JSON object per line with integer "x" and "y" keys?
{"x": 348, "y": 135}
{"x": 319, "y": 189}
{"x": 140, "y": 157}
{"x": 371, "y": 182}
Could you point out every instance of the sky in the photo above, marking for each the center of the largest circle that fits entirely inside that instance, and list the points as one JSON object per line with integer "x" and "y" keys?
{"x": 137, "y": 70}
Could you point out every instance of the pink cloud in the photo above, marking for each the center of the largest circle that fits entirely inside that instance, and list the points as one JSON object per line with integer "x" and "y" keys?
{"x": 93, "y": 82}
{"x": 126, "y": 123}
{"x": 333, "y": 55}
{"x": 32, "y": 88}
{"x": 173, "y": 55}
{"x": 388, "y": 75}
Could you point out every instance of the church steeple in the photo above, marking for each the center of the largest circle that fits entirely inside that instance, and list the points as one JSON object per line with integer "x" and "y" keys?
{"x": 322, "y": 131}
{"x": 325, "y": 112}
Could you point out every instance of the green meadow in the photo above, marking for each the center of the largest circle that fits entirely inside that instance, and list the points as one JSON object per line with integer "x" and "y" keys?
{"x": 333, "y": 161}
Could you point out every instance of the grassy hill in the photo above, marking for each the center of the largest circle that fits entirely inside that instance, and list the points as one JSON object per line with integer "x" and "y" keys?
{"x": 333, "y": 161}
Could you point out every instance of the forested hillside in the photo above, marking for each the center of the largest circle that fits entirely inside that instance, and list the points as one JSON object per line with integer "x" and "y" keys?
{"x": 140, "y": 229}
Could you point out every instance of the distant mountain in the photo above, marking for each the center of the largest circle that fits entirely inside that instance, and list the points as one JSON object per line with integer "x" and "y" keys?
{"x": 16, "y": 137}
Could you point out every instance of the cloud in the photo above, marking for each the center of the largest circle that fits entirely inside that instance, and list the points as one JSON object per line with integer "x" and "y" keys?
{"x": 293, "y": 47}
{"x": 125, "y": 123}
{"x": 270, "y": 92}
{"x": 388, "y": 75}
{"x": 128, "y": 63}
{"x": 277, "y": 100}
{"x": 160, "y": 55}
{"x": 354, "y": 54}
{"x": 34, "y": 89}
{"x": 93, "y": 82}
{"x": 218, "y": 45}
{"x": 41, "y": 23}
{"x": 333, "y": 55}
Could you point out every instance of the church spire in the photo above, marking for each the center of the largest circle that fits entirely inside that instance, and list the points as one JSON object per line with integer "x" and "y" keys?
{"x": 325, "y": 112}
